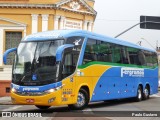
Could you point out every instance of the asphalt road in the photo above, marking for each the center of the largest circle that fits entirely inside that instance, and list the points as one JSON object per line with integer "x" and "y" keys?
{"x": 116, "y": 109}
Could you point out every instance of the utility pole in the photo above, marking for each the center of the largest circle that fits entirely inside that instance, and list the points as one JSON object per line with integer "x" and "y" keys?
{"x": 157, "y": 48}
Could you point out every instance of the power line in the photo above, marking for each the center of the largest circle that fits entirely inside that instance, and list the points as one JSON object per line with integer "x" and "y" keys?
{"x": 114, "y": 20}
{"x": 148, "y": 43}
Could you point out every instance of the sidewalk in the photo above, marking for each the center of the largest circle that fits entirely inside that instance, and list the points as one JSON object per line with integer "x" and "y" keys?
{"x": 5, "y": 100}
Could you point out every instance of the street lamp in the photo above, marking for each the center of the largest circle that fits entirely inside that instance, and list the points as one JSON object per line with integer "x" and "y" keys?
{"x": 148, "y": 43}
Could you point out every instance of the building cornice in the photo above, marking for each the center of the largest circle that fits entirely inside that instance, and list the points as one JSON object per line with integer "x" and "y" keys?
{"x": 19, "y": 5}
{"x": 42, "y": 6}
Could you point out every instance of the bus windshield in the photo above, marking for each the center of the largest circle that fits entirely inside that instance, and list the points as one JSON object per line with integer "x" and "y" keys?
{"x": 35, "y": 63}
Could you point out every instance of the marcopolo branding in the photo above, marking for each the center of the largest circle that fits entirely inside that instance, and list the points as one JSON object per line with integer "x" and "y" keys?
{"x": 30, "y": 89}
{"x": 132, "y": 72}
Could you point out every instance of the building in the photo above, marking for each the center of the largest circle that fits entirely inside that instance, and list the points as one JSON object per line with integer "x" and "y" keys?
{"x": 19, "y": 18}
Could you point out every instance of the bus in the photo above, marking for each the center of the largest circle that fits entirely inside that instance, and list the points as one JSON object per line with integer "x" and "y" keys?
{"x": 75, "y": 67}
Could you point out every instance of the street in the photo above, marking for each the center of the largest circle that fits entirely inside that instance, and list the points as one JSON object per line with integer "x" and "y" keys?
{"x": 104, "y": 110}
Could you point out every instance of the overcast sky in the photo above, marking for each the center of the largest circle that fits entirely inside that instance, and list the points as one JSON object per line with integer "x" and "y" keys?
{"x": 114, "y": 16}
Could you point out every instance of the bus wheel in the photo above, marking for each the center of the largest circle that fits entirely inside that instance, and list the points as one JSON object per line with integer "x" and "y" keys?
{"x": 42, "y": 107}
{"x": 146, "y": 93}
{"x": 82, "y": 100}
{"x": 139, "y": 94}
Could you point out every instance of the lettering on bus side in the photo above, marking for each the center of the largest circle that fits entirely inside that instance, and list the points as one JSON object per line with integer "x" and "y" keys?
{"x": 30, "y": 89}
{"x": 132, "y": 72}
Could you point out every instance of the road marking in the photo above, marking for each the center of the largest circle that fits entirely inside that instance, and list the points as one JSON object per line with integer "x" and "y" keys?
{"x": 155, "y": 95}
{"x": 88, "y": 111}
{"x": 12, "y": 108}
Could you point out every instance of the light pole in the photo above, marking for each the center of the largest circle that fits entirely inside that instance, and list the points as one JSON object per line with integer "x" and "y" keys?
{"x": 144, "y": 22}
{"x": 139, "y": 43}
{"x": 149, "y": 43}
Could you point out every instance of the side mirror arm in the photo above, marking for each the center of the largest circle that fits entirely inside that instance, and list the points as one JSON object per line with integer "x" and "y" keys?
{"x": 6, "y": 54}
{"x": 60, "y": 51}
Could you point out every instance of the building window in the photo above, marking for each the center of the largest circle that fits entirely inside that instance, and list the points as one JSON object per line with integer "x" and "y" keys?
{"x": 12, "y": 41}
{"x": 7, "y": 89}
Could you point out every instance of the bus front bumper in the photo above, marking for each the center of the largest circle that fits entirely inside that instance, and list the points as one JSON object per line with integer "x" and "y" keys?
{"x": 46, "y": 100}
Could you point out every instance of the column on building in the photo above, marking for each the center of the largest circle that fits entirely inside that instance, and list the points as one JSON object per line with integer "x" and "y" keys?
{"x": 1, "y": 47}
{"x": 62, "y": 19}
{"x": 56, "y": 22}
{"x": 85, "y": 23}
{"x": 90, "y": 26}
{"x": 34, "y": 23}
{"x": 45, "y": 22}
{"x": 25, "y": 32}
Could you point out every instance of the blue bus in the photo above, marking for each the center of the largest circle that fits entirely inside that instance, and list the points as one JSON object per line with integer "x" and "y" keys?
{"x": 75, "y": 67}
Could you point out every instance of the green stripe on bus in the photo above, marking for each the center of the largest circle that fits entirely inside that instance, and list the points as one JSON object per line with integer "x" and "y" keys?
{"x": 113, "y": 64}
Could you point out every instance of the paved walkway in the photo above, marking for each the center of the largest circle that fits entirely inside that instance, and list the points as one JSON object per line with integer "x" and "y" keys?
{"x": 5, "y": 100}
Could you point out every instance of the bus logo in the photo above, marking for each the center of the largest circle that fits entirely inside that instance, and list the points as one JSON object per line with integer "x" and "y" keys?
{"x": 30, "y": 89}
{"x": 132, "y": 72}
{"x": 76, "y": 42}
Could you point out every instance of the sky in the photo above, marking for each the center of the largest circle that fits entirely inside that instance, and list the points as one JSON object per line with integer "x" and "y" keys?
{"x": 115, "y": 16}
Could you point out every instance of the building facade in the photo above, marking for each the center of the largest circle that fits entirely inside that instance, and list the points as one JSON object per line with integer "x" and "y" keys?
{"x": 19, "y": 18}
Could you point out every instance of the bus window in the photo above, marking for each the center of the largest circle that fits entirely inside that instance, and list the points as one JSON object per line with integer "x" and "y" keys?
{"x": 148, "y": 57}
{"x": 133, "y": 55}
{"x": 154, "y": 59}
{"x": 76, "y": 40}
{"x": 90, "y": 54}
{"x": 141, "y": 58}
{"x": 45, "y": 60}
{"x": 104, "y": 53}
{"x": 97, "y": 50}
{"x": 125, "y": 55}
{"x": 116, "y": 56}
{"x": 69, "y": 62}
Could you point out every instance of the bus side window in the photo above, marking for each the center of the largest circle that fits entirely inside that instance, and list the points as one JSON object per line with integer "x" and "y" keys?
{"x": 90, "y": 54}
{"x": 154, "y": 59}
{"x": 116, "y": 54}
{"x": 104, "y": 52}
{"x": 125, "y": 55}
{"x": 148, "y": 58}
{"x": 141, "y": 58}
{"x": 133, "y": 56}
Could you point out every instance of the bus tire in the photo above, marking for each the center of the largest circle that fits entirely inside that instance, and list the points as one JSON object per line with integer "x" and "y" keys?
{"x": 146, "y": 93}
{"x": 42, "y": 107}
{"x": 82, "y": 100}
{"x": 139, "y": 94}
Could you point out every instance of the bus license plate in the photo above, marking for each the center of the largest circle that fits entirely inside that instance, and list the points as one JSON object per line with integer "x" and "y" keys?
{"x": 30, "y": 100}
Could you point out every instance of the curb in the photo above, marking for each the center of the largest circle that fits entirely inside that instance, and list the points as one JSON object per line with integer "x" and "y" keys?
{"x": 4, "y": 103}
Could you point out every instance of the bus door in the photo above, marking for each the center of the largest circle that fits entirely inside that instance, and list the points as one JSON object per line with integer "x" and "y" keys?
{"x": 69, "y": 63}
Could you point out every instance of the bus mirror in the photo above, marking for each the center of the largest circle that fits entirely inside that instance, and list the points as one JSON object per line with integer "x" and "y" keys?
{"x": 6, "y": 54}
{"x": 60, "y": 51}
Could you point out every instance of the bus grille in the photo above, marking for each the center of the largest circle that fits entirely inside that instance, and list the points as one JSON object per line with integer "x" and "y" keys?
{"x": 31, "y": 93}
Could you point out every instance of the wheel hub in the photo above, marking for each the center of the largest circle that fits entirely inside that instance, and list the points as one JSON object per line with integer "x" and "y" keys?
{"x": 81, "y": 99}
{"x": 139, "y": 94}
{"x": 146, "y": 92}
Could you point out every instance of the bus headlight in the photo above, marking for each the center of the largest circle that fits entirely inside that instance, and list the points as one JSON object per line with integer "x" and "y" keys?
{"x": 50, "y": 90}
{"x": 54, "y": 89}
{"x": 13, "y": 90}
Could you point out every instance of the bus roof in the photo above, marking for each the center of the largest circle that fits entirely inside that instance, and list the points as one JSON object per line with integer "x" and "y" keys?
{"x": 57, "y": 34}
